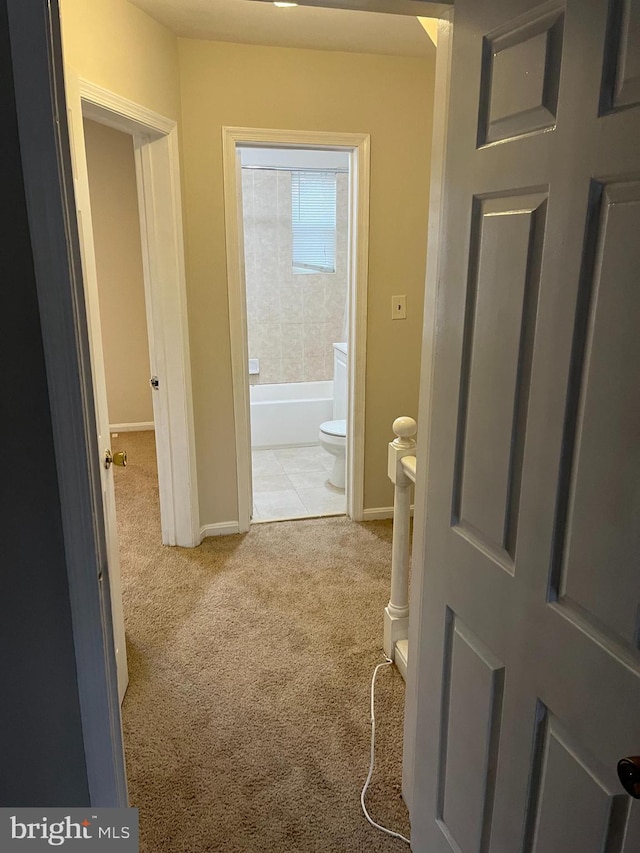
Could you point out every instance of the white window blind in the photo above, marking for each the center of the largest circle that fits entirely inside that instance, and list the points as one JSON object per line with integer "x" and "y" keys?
{"x": 313, "y": 206}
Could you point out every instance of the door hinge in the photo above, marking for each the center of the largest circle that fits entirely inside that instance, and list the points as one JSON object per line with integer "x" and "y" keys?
{"x": 154, "y": 382}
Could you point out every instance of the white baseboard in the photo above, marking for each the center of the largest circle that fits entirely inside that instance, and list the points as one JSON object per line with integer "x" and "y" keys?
{"x": 223, "y": 528}
{"x": 379, "y": 513}
{"x": 138, "y": 427}
{"x": 401, "y": 657}
{"x": 285, "y": 446}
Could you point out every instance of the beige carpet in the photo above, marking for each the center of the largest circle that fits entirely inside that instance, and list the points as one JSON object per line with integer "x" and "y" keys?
{"x": 246, "y": 721}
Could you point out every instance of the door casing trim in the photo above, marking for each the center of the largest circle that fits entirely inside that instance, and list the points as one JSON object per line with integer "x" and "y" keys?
{"x": 155, "y": 140}
{"x": 430, "y": 330}
{"x": 358, "y": 147}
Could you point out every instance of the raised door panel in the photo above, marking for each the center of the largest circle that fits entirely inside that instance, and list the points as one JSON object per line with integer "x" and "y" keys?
{"x": 601, "y": 531}
{"x": 575, "y": 804}
{"x": 621, "y": 78}
{"x": 521, "y": 77}
{"x": 471, "y": 716}
{"x": 502, "y": 297}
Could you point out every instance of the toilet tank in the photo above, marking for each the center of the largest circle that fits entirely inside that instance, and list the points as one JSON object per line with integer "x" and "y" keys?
{"x": 339, "y": 381}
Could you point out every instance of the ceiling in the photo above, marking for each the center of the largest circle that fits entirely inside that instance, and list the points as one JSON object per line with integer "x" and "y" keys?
{"x": 245, "y": 21}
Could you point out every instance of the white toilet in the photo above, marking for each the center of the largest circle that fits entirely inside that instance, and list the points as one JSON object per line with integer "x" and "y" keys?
{"x": 333, "y": 434}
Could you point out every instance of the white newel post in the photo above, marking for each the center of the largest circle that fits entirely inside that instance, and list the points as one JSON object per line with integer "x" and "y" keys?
{"x": 396, "y": 613}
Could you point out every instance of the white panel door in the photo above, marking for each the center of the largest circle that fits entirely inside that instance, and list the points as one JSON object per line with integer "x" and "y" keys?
{"x": 81, "y": 187}
{"x": 528, "y": 662}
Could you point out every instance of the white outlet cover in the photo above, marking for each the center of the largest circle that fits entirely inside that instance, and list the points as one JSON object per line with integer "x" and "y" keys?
{"x": 399, "y": 307}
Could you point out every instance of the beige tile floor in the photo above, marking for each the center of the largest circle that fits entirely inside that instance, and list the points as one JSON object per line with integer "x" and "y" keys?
{"x": 293, "y": 482}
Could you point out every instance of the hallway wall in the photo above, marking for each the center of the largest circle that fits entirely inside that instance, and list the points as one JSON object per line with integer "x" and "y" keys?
{"x": 206, "y": 85}
{"x": 116, "y": 232}
{"x": 389, "y": 97}
{"x": 113, "y": 44}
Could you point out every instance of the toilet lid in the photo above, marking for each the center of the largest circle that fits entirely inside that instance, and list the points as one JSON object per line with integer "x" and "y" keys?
{"x": 337, "y": 428}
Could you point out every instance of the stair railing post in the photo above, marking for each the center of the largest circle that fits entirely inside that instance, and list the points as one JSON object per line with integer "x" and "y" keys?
{"x": 396, "y": 613}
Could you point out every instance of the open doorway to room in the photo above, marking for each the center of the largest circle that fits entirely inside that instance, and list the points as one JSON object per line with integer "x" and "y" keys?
{"x": 115, "y": 219}
{"x": 297, "y": 245}
{"x": 156, "y": 183}
{"x": 295, "y": 222}
{"x": 140, "y": 331}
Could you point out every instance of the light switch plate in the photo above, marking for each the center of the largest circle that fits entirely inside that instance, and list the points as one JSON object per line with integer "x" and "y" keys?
{"x": 398, "y": 307}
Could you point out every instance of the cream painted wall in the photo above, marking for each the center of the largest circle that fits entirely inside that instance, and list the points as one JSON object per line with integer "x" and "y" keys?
{"x": 206, "y": 85}
{"x": 253, "y": 86}
{"x": 113, "y": 44}
{"x": 431, "y": 28}
{"x": 116, "y": 232}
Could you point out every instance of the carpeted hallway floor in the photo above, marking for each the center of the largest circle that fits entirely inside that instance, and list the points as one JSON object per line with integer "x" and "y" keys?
{"x": 246, "y": 721}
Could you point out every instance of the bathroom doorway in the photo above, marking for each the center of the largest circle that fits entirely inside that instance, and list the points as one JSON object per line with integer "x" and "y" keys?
{"x": 295, "y": 218}
{"x": 297, "y": 229}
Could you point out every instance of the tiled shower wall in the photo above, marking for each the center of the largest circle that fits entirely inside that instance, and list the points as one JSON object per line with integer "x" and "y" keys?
{"x": 293, "y": 319}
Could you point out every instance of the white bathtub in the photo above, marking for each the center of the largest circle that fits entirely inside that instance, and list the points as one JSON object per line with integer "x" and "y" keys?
{"x": 289, "y": 414}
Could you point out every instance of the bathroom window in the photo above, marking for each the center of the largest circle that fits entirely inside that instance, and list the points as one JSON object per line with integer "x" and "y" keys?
{"x": 313, "y": 223}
